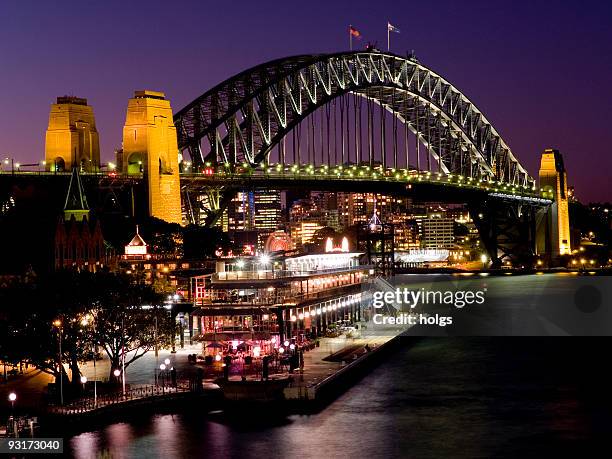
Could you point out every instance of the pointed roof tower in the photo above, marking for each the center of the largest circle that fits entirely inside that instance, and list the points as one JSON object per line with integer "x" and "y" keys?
{"x": 137, "y": 246}
{"x": 76, "y": 201}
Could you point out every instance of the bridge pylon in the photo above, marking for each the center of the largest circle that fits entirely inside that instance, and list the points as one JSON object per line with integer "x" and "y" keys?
{"x": 507, "y": 230}
{"x": 72, "y": 138}
{"x": 150, "y": 148}
{"x": 553, "y": 232}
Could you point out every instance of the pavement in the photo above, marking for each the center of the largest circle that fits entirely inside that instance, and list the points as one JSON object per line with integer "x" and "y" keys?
{"x": 316, "y": 369}
{"x": 30, "y": 386}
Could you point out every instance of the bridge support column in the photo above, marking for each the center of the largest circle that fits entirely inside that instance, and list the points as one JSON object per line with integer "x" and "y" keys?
{"x": 507, "y": 230}
{"x": 150, "y": 148}
{"x": 553, "y": 232}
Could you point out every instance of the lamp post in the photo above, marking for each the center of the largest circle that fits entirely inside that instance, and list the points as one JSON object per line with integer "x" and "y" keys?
{"x": 117, "y": 372}
{"x": 85, "y": 322}
{"x": 12, "y": 163}
{"x": 84, "y": 381}
{"x": 162, "y": 367}
{"x": 58, "y": 323}
{"x": 12, "y": 397}
{"x": 483, "y": 258}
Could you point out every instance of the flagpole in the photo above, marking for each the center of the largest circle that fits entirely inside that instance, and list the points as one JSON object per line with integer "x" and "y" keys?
{"x": 351, "y": 37}
{"x": 388, "y": 37}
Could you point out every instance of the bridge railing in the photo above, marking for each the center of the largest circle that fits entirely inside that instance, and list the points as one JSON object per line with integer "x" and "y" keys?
{"x": 86, "y": 404}
{"x": 281, "y": 274}
{"x": 362, "y": 173}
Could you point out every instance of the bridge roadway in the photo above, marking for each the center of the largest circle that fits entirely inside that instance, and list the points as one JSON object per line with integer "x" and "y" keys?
{"x": 423, "y": 184}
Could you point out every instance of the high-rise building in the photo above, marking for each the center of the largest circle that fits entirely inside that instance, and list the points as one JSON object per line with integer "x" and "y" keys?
{"x": 437, "y": 231}
{"x": 355, "y": 208}
{"x": 239, "y": 213}
{"x": 267, "y": 215}
{"x": 256, "y": 211}
{"x": 72, "y": 138}
{"x": 302, "y": 232}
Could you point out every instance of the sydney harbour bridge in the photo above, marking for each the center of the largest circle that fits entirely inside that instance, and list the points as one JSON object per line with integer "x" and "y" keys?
{"x": 365, "y": 121}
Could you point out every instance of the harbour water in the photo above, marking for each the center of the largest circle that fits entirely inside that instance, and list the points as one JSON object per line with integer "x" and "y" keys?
{"x": 438, "y": 397}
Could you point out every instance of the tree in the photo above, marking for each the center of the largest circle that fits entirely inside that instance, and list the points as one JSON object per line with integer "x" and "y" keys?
{"x": 130, "y": 319}
{"x": 31, "y": 309}
{"x": 124, "y": 311}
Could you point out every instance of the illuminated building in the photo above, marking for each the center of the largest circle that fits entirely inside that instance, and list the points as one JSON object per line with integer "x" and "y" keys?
{"x": 355, "y": 208}
{"x": 303, "y": 231}
{"x": 253, "y": 213}
{"x": 420, "y": 257}
{"x": 406, "y": 235}
{"x": 239, "y": 213}
{"x": 136, "y": 248}
{"x": 72, "y": 139}
{"x": 267, "y": 213}
{"x": 150, "y": 148}
{"x": 315, "y": 210}
{"x": 278, "y": 241}
{"x": 437, "y": 231}
{"x": 277, "y": 298}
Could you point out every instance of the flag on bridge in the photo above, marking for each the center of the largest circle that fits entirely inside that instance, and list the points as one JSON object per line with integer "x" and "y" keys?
{"x": 390, "y": 28}
{"x": 353, "y": 32}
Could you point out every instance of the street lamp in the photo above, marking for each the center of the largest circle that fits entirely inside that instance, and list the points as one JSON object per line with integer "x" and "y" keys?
{"x": 83, "y": 381}
{"x": 483, "y": 258}
{"x": 58, "y": 324}
{"x": 85, "y": 321}
{"x": 12, "y": 397}
{"x": 162, "y": 367}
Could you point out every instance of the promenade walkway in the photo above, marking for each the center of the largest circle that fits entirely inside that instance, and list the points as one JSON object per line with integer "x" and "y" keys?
{"x": 317, "y": 368}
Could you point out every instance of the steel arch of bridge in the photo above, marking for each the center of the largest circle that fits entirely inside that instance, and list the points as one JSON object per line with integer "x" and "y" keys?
{"x": 246, "y": 116}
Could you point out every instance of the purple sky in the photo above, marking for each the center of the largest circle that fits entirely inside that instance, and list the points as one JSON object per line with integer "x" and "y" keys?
{"x": 540, "y": 71}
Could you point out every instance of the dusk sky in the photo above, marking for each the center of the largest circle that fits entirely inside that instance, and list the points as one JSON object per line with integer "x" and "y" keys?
{"x": 540, "y": 71}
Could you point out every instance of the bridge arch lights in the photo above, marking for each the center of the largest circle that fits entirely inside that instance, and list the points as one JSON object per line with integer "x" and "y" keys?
{"x": 244, "y": 118}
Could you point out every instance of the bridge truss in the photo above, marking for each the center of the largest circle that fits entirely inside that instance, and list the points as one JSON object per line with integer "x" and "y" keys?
{"x": 364, "y": 107}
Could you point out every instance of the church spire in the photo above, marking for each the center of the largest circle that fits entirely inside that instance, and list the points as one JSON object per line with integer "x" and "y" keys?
{"x": 76, "y": 201}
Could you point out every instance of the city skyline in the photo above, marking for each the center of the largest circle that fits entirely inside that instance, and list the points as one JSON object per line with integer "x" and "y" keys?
{"x": 114, "y": 58}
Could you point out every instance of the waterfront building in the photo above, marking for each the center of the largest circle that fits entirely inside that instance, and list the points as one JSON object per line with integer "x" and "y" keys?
{"x": 264, "y": 301}
{"x": 423, "y": 257}
{"x": 72, "y": 138}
